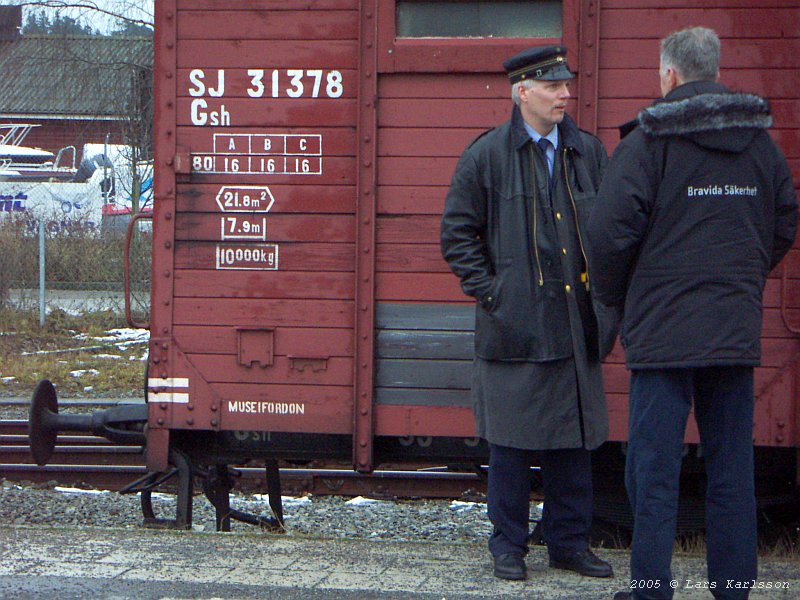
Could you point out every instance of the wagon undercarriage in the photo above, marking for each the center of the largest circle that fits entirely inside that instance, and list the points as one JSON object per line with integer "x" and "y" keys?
{"x": 204, "y": 458}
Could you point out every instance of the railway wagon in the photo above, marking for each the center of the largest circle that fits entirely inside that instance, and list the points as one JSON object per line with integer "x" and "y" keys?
{"x": 303, "y": 149}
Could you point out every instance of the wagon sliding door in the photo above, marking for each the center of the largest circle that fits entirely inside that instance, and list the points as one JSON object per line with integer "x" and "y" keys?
{"x": 441, "y": 84}
{"x": 253, "y": 301}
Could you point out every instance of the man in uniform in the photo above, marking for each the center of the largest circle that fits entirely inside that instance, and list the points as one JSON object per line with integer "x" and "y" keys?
{"x": 512, "y": 232}
{"x": 696, "y": 208}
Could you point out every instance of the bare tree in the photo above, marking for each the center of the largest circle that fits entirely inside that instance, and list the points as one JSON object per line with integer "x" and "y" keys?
{"x": 137, "y": 131}
{"x": 119, "y": 12}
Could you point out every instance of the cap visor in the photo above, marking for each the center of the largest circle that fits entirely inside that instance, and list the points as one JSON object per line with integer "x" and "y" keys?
{"x": 557, "y": 74}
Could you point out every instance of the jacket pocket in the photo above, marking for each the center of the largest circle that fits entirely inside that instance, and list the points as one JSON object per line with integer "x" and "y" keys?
{"x": 524, "y": 324}
{"x": 583, "y": 206}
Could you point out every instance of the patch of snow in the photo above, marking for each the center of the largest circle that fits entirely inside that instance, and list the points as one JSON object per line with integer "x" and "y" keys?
{"x": 124, "y": 335}
{"x": 121, "y": 338}
{"x": 65, "y": 351}
{"x": 69, "y": 490}
{"x": 8, "y": 379}
{"x": 461, "y": 507}
{"x": 81, "y": 372}
{"x": 160, "y": 496}
{"x": 286, "y": 500}
{"x": 108, "y": 356}
{"x": 361, "y": 501}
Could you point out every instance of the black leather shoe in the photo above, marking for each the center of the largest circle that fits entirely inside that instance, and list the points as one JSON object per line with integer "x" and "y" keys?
{"x": 623, "y": 596}
{"x": 583, "y": 562}
{"x": 510, "y": 565}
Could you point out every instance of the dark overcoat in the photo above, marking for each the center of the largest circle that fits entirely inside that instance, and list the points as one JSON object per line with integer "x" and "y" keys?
{"x": 517, "y": 247}
{"x": 696, "y": 208}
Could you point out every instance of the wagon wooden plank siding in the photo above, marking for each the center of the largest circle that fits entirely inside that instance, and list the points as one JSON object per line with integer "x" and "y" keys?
{"x": 304, "y": 149}
{"x": 760, "y": 47}
{"x": 254, "y": 305}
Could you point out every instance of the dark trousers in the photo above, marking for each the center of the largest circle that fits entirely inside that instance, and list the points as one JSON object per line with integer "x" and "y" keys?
{"x": 567, "y": 516}
{"x": 659, "y": 407}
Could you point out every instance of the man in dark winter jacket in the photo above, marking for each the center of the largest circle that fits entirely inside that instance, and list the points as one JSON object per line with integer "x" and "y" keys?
{"x": 511, "y": 231}
{"x": 697, "y": 206}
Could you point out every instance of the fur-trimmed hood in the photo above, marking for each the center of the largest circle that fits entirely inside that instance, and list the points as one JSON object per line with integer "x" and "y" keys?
{"x": 706, "y": 112}
{"x": 709, "y": 114}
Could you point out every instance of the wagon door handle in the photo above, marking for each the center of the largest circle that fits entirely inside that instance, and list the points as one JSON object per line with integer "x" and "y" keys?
{"x": 126, "y": 264}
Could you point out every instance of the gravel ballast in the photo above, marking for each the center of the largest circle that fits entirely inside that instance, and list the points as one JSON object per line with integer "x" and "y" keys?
{"x": 326, "y": 516}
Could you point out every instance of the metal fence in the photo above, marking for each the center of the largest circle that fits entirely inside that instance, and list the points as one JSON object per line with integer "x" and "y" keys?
{"x": 83, "y": 268}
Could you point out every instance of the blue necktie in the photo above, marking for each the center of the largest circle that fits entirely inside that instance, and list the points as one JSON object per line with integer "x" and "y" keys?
{"x": 544, "y": 144}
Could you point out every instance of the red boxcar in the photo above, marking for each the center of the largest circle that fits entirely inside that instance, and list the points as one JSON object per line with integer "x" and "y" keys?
{"x": 303, "y": 152}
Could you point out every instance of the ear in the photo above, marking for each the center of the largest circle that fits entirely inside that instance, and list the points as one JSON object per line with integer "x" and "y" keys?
{"x": 672, "y": 77}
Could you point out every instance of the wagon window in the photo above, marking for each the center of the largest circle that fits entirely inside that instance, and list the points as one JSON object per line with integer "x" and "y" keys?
{"x": 471, "y": 36}
{"x": 479, "y": 18}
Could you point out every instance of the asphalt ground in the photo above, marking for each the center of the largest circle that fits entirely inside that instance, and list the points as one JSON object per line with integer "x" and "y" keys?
{"x": 69, "y": 563}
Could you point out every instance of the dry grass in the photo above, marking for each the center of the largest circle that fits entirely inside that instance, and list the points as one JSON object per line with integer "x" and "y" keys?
{"x": 786, "y": 545}
{"x": 775, "y": 541}
{"x": 30, "y": 353}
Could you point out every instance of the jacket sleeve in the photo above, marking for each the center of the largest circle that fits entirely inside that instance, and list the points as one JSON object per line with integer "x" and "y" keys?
{"x": 463, "y": 231}
{"x": 601, "y": 160}
{"x": 596, "y": 158}
{"x": 785, "y": 212}
{"x": 619, "y": 220}
{"x": 608, "y": 318}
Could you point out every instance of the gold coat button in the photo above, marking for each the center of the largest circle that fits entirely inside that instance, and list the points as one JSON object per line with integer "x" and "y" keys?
{"x": 564, "y": 250}
{"x": 558, "y": 216}
{"x": 568, "y": 288}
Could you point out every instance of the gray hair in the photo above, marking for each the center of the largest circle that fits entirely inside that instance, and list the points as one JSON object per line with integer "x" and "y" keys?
{"x": 693, "y": 53}
{"x": 526, "y": 83}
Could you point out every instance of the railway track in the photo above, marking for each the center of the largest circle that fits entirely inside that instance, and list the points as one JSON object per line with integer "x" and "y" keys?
{"x": 90, "y": 461}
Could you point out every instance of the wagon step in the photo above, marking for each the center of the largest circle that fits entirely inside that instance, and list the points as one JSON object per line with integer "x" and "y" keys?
{"x": 217, "y": 486}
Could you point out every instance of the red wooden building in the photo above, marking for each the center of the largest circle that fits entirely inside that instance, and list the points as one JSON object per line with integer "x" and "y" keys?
{"x": 75, "y": 89}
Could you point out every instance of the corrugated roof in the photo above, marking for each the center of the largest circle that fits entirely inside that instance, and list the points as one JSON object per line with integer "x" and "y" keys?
{"x": 70, "y": 76}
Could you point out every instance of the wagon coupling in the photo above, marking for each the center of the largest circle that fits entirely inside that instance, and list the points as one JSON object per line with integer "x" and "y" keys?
{"x": 121, "y": 424}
